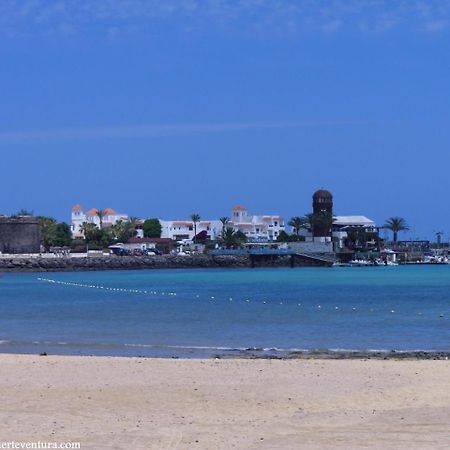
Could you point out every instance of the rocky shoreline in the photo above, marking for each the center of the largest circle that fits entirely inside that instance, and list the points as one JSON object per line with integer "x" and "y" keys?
{"x": 343, "y": 354}
{"x": 37, "y": 264}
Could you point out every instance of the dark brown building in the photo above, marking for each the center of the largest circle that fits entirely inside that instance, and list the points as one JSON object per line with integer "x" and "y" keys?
{"x": 323, "y": 213}
{"x": 19, "y": 235}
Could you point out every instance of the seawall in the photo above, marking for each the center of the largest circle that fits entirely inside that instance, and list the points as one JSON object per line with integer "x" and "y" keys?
{"x": 46, "y": 264}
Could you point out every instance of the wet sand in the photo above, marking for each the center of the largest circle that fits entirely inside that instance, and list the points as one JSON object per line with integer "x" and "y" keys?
{"x": 136, "y": 403}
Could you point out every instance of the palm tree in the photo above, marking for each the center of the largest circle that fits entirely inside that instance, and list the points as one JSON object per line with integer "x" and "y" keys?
{"x": 133, "y": 223}
{"x": 297, "y": 223}
{"x": 231, "y": 238}
{"x": 224, "y": 221}
{"x": 309, "y": 221}
{"x": 195, "y": 219}
{"x": 101, "y": 213}
{"x": 87, "y": 228}
{"x": 396, "y": 224}
{"x": 46, "y": 227}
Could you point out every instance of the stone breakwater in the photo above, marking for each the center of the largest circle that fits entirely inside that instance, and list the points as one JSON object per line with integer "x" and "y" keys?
{"x": 37, "y": 264}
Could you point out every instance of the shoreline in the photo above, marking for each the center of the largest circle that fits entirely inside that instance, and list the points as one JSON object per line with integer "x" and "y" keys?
{"x": 250, "y": 354}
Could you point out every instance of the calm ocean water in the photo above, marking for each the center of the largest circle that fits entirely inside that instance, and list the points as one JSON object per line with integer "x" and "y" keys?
{"x": 205, "y": 312}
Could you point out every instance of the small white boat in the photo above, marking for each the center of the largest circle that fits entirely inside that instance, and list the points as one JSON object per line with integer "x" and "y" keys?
{"x": 360, "y": 263}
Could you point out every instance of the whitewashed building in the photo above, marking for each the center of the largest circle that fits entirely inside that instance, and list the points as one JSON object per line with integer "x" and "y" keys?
{"x": 184, "y": 229}
{"x": 79, "y": 217}
{"x": 256, "y": 228}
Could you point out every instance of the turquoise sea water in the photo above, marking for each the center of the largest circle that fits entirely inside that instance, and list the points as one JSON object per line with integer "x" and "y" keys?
{"x": 205, "y": 312}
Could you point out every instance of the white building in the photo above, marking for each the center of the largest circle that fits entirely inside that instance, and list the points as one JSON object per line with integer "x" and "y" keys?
{"x": 79, "y": 217}
{"x": 342, "y": 223}
{"x": 256, "y": 228}
{"x": 184, "y": 229}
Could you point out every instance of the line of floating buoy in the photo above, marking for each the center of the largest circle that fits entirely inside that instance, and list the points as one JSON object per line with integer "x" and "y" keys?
{"x": 211, "y": 297}
{"x": 106, "y": 288}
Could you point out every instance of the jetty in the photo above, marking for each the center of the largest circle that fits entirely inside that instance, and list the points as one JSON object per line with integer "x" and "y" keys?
{"x": 262, "y": 255}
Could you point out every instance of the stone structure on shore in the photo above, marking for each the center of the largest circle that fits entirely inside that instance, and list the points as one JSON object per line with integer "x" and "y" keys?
{"x": 19, "y": 234}
{"x": 38, "y": 264}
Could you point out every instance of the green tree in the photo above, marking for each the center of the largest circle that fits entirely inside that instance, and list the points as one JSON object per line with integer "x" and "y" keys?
{"x": 46, "y": 227}
{"x": 123, "y": 230}
{"x": 94, "y": 236}
{"x": 240, "y": 237}
{"x": 396, "y": 225}
{"x": 101, "y": 213}
{"x": 284, "y": 237}
{"x": 297, "y": 223}
{"x": 195, "y": 219}
{"x": 224, "y": 221}
{"x": 61, "y": 235}
{"x": 309, "y": 220}
{"x": 89, "y": 231}
{"x": 230, "y": 238}
{"x": 152, "y": 228}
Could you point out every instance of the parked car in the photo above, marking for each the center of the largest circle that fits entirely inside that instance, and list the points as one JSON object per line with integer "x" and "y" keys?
{"x": 120, "y": 251}
{"x": 152, "y": 252}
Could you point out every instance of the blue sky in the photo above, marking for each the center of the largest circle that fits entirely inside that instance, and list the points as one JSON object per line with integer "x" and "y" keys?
{"x": 165, "y": 108}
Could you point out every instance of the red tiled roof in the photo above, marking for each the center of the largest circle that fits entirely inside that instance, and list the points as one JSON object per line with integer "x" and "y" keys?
{"x": 92, "y": 212}
{"x": 110, "y": 211}
{"x": 239, "y": 208}
{"x": 77, "y": 208}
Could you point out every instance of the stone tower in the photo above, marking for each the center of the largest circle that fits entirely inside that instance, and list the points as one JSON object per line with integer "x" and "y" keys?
{"x": 323, "y": 211}
{"x": 19, "y": 235}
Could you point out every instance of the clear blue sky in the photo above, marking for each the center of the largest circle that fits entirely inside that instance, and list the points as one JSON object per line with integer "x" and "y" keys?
{"x": 165, "y": 108}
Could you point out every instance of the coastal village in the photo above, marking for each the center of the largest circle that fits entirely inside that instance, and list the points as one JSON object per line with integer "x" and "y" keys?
{"x": 319, "y": 237}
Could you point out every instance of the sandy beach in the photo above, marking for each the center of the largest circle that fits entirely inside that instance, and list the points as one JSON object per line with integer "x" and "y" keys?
{"x": 135, "y": 403}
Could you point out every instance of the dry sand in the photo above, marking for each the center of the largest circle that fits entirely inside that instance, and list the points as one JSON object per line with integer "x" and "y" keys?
{"x": 132, "y": 403}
